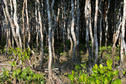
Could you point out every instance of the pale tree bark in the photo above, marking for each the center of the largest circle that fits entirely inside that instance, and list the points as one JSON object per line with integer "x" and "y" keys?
{"x": 101, "y": 18}
{"x": 27, "y": 25}
{"x": 95, "y": 31}
{"x": 87, "y": 24}
{"x": 11, "y": 6}
{"x": 73, "y": 32}
{"x": 37, "y": 25}
{"x": 23, "y": 24}
{"x": 69, "y": 36}
{"x": 11, "y": 22}
{"x": 91, "y": 32}
{"x": 41, "y": 33}
{"x": 54, "y": 25}
{"x": 122, "y": 51}
{"x": 115, "y": 38}
{"x": 88, "y": 28}
{"x": 49, "y": 41}
{"x": 16, "y": 23}
{"x": 71, "y": 42}
{"x": 106, "y": 23}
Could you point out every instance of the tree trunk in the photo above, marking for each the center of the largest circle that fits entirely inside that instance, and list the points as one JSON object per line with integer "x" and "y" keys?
{"x": 16, "y": 23}
{"x": 88, "y": 28}
{"x": 77, "y": 30}
{"x": 115, "y": 38}
{"x": 122, "y": 52}
{"x": 73, "y": 32}
{"x": 23, "y": 23}
{"x": 11, "y": 6}
{"x": 101, "y": 18}
{"x": 27, "y": 25}
{"x": 41, "y": 33}
{"x": 53, "y": 30}
{"x": 95, "y": 31}
{"x": 37, "y": 26}
{"x": 106, "y": 23}
{"x": 11, "y": 22}
{"x": 49, "y": 41}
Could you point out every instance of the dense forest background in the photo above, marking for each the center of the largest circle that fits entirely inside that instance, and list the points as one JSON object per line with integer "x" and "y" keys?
{"x": 54, "y": 37}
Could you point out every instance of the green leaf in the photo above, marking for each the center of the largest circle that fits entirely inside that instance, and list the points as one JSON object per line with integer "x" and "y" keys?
{"x": 73, "y": 72}
{"x": 83, "y": 66}
{"x": 106, "y": 81}
{"x": 116, "y": 81}
{"x": 77, "y": 67}
{"x": 98, "y": 81}
{"x": 83, "y": 77}
{"x": 14, "y": 74}
{"x": 101, "y": 66}
{"x": 71, "y": 77}
{"x": 109, "y": 62}
{"x": 116, "y": 72}
{"x": 95, "y": 68}
{"x": 91, "y": 80}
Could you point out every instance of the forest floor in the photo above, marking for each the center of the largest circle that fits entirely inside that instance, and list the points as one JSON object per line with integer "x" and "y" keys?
{"x": 58, "y": 69}
{"x": 4, "y": 63}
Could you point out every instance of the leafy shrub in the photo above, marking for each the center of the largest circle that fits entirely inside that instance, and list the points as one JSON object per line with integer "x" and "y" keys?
{"x": 106, "y": 53}
{"x": 21, "y": 73}
{"x": 22, "y": 76}
{"x": 100, "y": 75}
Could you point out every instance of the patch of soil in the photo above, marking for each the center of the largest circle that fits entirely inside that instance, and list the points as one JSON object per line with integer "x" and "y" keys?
{"x": 4, "y": 63}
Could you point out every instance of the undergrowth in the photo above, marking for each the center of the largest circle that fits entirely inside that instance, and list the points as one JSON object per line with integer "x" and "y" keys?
{"x": 100, "y": 75}
{"x": 20, "y": 72}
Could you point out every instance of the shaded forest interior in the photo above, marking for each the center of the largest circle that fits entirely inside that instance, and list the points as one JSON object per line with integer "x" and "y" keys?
{"x": 62, "y": 41}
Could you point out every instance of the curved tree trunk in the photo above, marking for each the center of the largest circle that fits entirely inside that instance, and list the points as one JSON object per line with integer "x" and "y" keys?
{"x": 11, "y": 23}
{"x": 73, "y": 32}
{"x": 16, "y": 23}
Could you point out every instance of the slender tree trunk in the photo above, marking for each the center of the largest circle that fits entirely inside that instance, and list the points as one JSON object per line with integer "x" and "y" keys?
{"x": 49, "y": 40}
{"x": 64, "y": 26}
{"x": 106, "y": 23}
{"x": 69, "y": 36}
{"x": 77, "y": 30}
{"x": 23, "y": 23}
{"x": 71, "y": 42}
{"x": 88, "y": 28}
{"x": 37, "y": 25}
{"x": 41, "y": 33}
{"x": 6, "y": 28}
{"x": 73, "y": 32}
{"x": 115, "y": 38}
{"x": 16, "y": 23}
{"x": 11, "y": 22}
{"x": 27, "y": 25}
{"x": 122, "y": 52}
{"x": 12, "y": 38}
{"x": 101, "y": 18}
{"x": 95, "y": 31}
{"x": 53, "y": 30}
